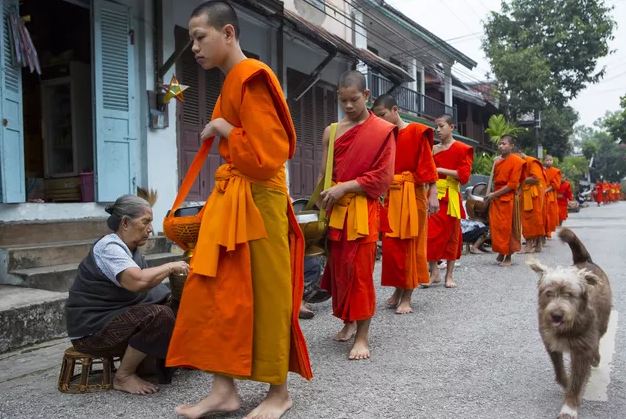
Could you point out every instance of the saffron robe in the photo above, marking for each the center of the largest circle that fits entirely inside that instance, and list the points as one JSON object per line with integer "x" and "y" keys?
{"x": 239, "y": 309}
{"x": 404, "y": 247}
{"x": 598, "y": 193}
{"x": 507, "y": 172}
{"x": 445, "y": 240}
{"x": 564, "y": 195}
{"x": 533, "y": 199}
{"x": 364, "y": 153}
{"x": 553, "y": 176}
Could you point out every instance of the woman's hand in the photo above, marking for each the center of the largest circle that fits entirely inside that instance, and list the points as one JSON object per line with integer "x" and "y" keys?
{"x": 180, "y": 267}
{"x": 331, "y": 195}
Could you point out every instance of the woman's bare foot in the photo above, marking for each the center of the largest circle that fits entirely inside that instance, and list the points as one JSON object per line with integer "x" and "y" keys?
{"x": 360, "y": 350}
{"x": 133, "y": 384}
{"x": 475, "y": 251}
{"x": 222, "y": 399}
{"x": 394, "y": 300}
{"x": 346, "y": 333}
{"x": 275, "y": 404}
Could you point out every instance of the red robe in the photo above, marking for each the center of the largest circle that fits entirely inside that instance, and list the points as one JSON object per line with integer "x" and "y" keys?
{"x": 551, "y": 211}
{"x": 564, "y": 195}
{"x": 445, "y": 240}
{"x": 598, "y": 193}
{"x": 364, "y": 153}
{"x": 507, "y": 172}
{"x": 404, "y": 259}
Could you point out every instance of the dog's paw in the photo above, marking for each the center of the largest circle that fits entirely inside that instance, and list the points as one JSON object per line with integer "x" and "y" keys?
{"x": 568, "y": 412}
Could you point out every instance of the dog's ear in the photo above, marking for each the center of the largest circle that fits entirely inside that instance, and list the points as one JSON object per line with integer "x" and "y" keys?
{"x": 536, "y": 266}
{"x": 588, "y": 276}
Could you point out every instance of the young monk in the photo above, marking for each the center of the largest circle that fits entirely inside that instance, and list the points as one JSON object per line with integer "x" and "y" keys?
{"x": 411, "y": 197}
{"x": 598, "y": 193}
{"x": 239, "y": 311}
{"x": 553, "y": 177}
{"x": 454, "y": 166}
{"x": 364, "y": 150}
{"x": 533, "y": 186}
{"x": 564, "y": 195}
{"x": 507, "y": 175}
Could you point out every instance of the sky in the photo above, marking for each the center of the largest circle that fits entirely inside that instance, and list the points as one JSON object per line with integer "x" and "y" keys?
{"x": 459, "y": 22}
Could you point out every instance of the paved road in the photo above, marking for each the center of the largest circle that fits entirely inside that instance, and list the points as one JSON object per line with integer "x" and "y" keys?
{"x": 472, "y": 352}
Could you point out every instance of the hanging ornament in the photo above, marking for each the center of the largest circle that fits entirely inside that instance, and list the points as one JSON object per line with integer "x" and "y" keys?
{"x": 174, "y": 90}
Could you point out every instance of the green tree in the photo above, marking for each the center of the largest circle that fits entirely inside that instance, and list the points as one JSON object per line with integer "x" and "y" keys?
{"x": 609, "y": 157}
{"x": 545, "y": 52}
{"x": 575, "y": 168}
{"x": 498, "y": 126}
{"x": 483, "y": 163}
{"x": 615, "y": 122}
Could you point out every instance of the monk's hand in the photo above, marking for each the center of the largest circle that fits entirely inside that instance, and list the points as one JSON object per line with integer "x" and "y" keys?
{"x": 218, "y": 126}
{"x": 489, "y": 197}
{"x": 331, "y": 196}
{"x": 433, "y": 203}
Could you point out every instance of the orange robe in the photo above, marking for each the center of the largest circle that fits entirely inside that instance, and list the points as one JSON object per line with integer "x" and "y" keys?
{"x": 532, "y": 200}
{"x": 553, "y": 176}
{"x": 507, "y": 172}
{"x": 364, "y": 153}
{"x": 563, "y": 197}
{"x": 445, "y": 240}
{"x": 239, "y": 309}
{"x": 404, "y": 247}
{"x": 598, "y": 193}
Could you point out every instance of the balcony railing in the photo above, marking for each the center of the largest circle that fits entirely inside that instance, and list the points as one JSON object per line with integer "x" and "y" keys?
{"x": 409, "y": 100}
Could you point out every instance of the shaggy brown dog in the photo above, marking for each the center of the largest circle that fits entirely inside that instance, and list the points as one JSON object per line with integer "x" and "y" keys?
{"x": 574, "y": 309}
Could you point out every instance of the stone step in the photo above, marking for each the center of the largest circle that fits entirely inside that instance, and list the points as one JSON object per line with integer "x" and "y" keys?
{"x": 60, "y": 277}
{"x": 45, "y": 231}
{"x": 59, "y": 253}
{"x": 29, "y": 316}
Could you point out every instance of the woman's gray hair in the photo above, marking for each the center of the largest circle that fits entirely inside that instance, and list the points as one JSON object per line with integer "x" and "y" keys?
{"x": 130, "y": 206}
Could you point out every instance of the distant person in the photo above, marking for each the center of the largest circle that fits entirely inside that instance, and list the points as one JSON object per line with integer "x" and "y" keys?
{"x": 504, "y": 208}
{"x": 454, "y": 166}
{"x": 411, "y": 198}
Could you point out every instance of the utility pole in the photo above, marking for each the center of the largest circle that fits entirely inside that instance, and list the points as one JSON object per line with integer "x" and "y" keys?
{"x": 537, "y": 127}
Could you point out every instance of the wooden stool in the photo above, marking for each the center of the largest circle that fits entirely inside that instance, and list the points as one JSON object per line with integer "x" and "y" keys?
{"x": 73, "y": 357}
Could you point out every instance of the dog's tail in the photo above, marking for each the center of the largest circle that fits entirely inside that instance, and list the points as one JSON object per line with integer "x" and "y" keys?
{"x": 579, "y": 252}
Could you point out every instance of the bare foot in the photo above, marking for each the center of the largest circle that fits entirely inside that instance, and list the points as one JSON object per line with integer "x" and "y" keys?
{"x": 215, "y": 402}
{"x": 346, "y": 333}
{"x": 404, "y": 308}
{"x": 133, "y": 384}
{"x": 475, "y": 251}
{"x": 500, "y": 257}
{"x": 450, "y": 284}
{"x": 275, "y": 404}
{"x": 394, "y": 300}
{"x": 506, "y": 261}
{"x": 435, "y": 278}
{"x": 360, "y": 350}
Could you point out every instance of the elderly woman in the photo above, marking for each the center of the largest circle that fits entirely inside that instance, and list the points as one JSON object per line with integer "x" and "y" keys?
{"x": 116, "y": 305}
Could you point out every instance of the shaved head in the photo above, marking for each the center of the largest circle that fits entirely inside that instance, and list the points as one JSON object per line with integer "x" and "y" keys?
{"x": 386, "y": 101}
{"x": 218, "y": 13}
{"x": 353, "y": 78}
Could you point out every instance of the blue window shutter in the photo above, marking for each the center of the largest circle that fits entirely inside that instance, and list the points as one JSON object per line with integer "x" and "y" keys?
{"x": 116, "y": 140}
{"x": 12, "y": 181}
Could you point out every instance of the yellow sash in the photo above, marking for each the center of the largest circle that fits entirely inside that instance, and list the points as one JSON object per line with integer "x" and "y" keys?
{"x": 402, "y": 210}
{"x": 530, "y": 193}
{"x": 453, "y": 187}
{"x": 230, "y": 218}
{"x": 354, "y": 206}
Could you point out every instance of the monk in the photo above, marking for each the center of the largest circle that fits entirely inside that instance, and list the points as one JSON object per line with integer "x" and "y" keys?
{"x": 238, "y": 316}
{"x": 533, "y": 186}
{"x": 553, "y": 177}
{"x": 599, "y": 193}
{"x": 503, "y": 214}
{"x": 454, "y": 167}
{"x": 564, "y": 195}
{"x": 413, "y": 195}
{"x": 364, "y": 150}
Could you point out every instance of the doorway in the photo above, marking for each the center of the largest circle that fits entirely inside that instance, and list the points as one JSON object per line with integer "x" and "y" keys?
{"x": 57, "y": 105}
